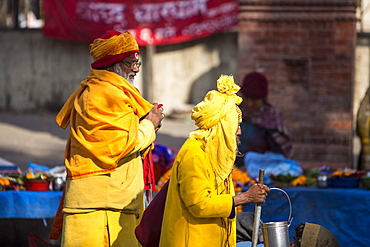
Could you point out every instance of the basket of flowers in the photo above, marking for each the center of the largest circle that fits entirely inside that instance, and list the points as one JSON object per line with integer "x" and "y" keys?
{"x": 37, "y": 181}
{"x": 11, "y": 178}
{"x": 308, "y": 178}
{"x": 283, "y": 180}
{"x": 11, "y": 182}
{"x": 345, "y": 178}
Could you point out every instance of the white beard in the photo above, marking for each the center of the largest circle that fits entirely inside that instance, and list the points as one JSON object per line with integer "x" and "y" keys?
{"x": 119, "y": 71}
{"x": 127, "y": 77}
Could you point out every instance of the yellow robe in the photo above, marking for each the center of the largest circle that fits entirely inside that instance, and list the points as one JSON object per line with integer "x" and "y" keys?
{"x": 196, "y": 211}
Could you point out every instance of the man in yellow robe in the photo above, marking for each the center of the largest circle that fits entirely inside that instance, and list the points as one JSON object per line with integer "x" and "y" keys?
{"x": 111, "y": 125}
{"x": 200, "y": 204}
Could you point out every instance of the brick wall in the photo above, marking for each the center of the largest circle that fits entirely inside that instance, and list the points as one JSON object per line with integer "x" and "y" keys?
{"x": 306, "y": 50}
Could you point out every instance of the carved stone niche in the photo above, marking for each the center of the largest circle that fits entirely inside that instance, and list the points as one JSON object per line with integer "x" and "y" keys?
{"x": 297, "y": 71}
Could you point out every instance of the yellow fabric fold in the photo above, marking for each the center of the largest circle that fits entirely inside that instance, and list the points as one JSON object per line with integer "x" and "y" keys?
{"x": 217, "y": 119}
{"x": 103, "y": 115}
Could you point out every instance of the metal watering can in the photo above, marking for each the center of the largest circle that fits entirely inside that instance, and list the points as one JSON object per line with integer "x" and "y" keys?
{"x": 276, "y": 234}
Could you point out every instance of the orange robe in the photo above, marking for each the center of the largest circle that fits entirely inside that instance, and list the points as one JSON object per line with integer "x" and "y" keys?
{"x": 102, "y": 156}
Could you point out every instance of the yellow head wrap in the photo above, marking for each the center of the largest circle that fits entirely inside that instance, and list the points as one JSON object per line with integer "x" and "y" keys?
{"x": 111, "y": 48}
{"x": 217, "y": 119}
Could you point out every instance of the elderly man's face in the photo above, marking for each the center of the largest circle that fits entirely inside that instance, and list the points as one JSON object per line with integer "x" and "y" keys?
{"x": 130, "y": 67}
{"x": 238, "y": 142}
{"x": 238, "y": 133}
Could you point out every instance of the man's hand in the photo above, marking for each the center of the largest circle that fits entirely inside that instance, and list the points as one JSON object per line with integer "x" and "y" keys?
{"x": 255, "y": 194}
{"x": 156, "y": 116}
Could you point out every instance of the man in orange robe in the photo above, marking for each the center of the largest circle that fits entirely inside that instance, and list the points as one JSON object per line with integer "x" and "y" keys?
{"x": 111, "y": 125}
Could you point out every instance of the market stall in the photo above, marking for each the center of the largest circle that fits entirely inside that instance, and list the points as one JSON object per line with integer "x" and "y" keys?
{"x": 27, "y": 204}
{"x": 344, "y": 211}
{"x": 27, "y": 213}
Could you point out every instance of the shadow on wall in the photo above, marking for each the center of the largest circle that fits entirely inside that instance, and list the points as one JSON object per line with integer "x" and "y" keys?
{"x": 227, "y": 57}
{"x": 204, "y": 84}
{"x": 202, "y": 62}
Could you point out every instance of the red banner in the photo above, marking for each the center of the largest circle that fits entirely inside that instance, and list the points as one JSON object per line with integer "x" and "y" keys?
{"x": 152, "y": 22}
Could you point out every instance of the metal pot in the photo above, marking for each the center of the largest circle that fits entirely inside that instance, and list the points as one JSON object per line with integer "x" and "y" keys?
{"x": 276, "y": 234}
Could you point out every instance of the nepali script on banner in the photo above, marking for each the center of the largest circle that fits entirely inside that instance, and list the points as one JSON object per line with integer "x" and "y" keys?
{"x": 152, "y": 22}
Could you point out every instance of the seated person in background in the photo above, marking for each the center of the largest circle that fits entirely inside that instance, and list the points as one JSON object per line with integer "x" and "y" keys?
{"x": 263, "y": 128}
{"x": 312, "y": 235}
{"x": 163, "y": 158}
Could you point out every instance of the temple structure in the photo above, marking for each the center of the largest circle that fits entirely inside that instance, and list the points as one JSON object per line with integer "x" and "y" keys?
{"x": 306, "y": 48}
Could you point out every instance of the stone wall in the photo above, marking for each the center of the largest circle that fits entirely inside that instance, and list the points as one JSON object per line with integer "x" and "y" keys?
{"x": 306, "y": 50}
{"x": 39, "y": 74}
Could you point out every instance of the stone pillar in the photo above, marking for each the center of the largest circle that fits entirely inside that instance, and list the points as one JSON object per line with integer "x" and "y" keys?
{"x": 363, "y": 129}
{"x": 306, "y": 50}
